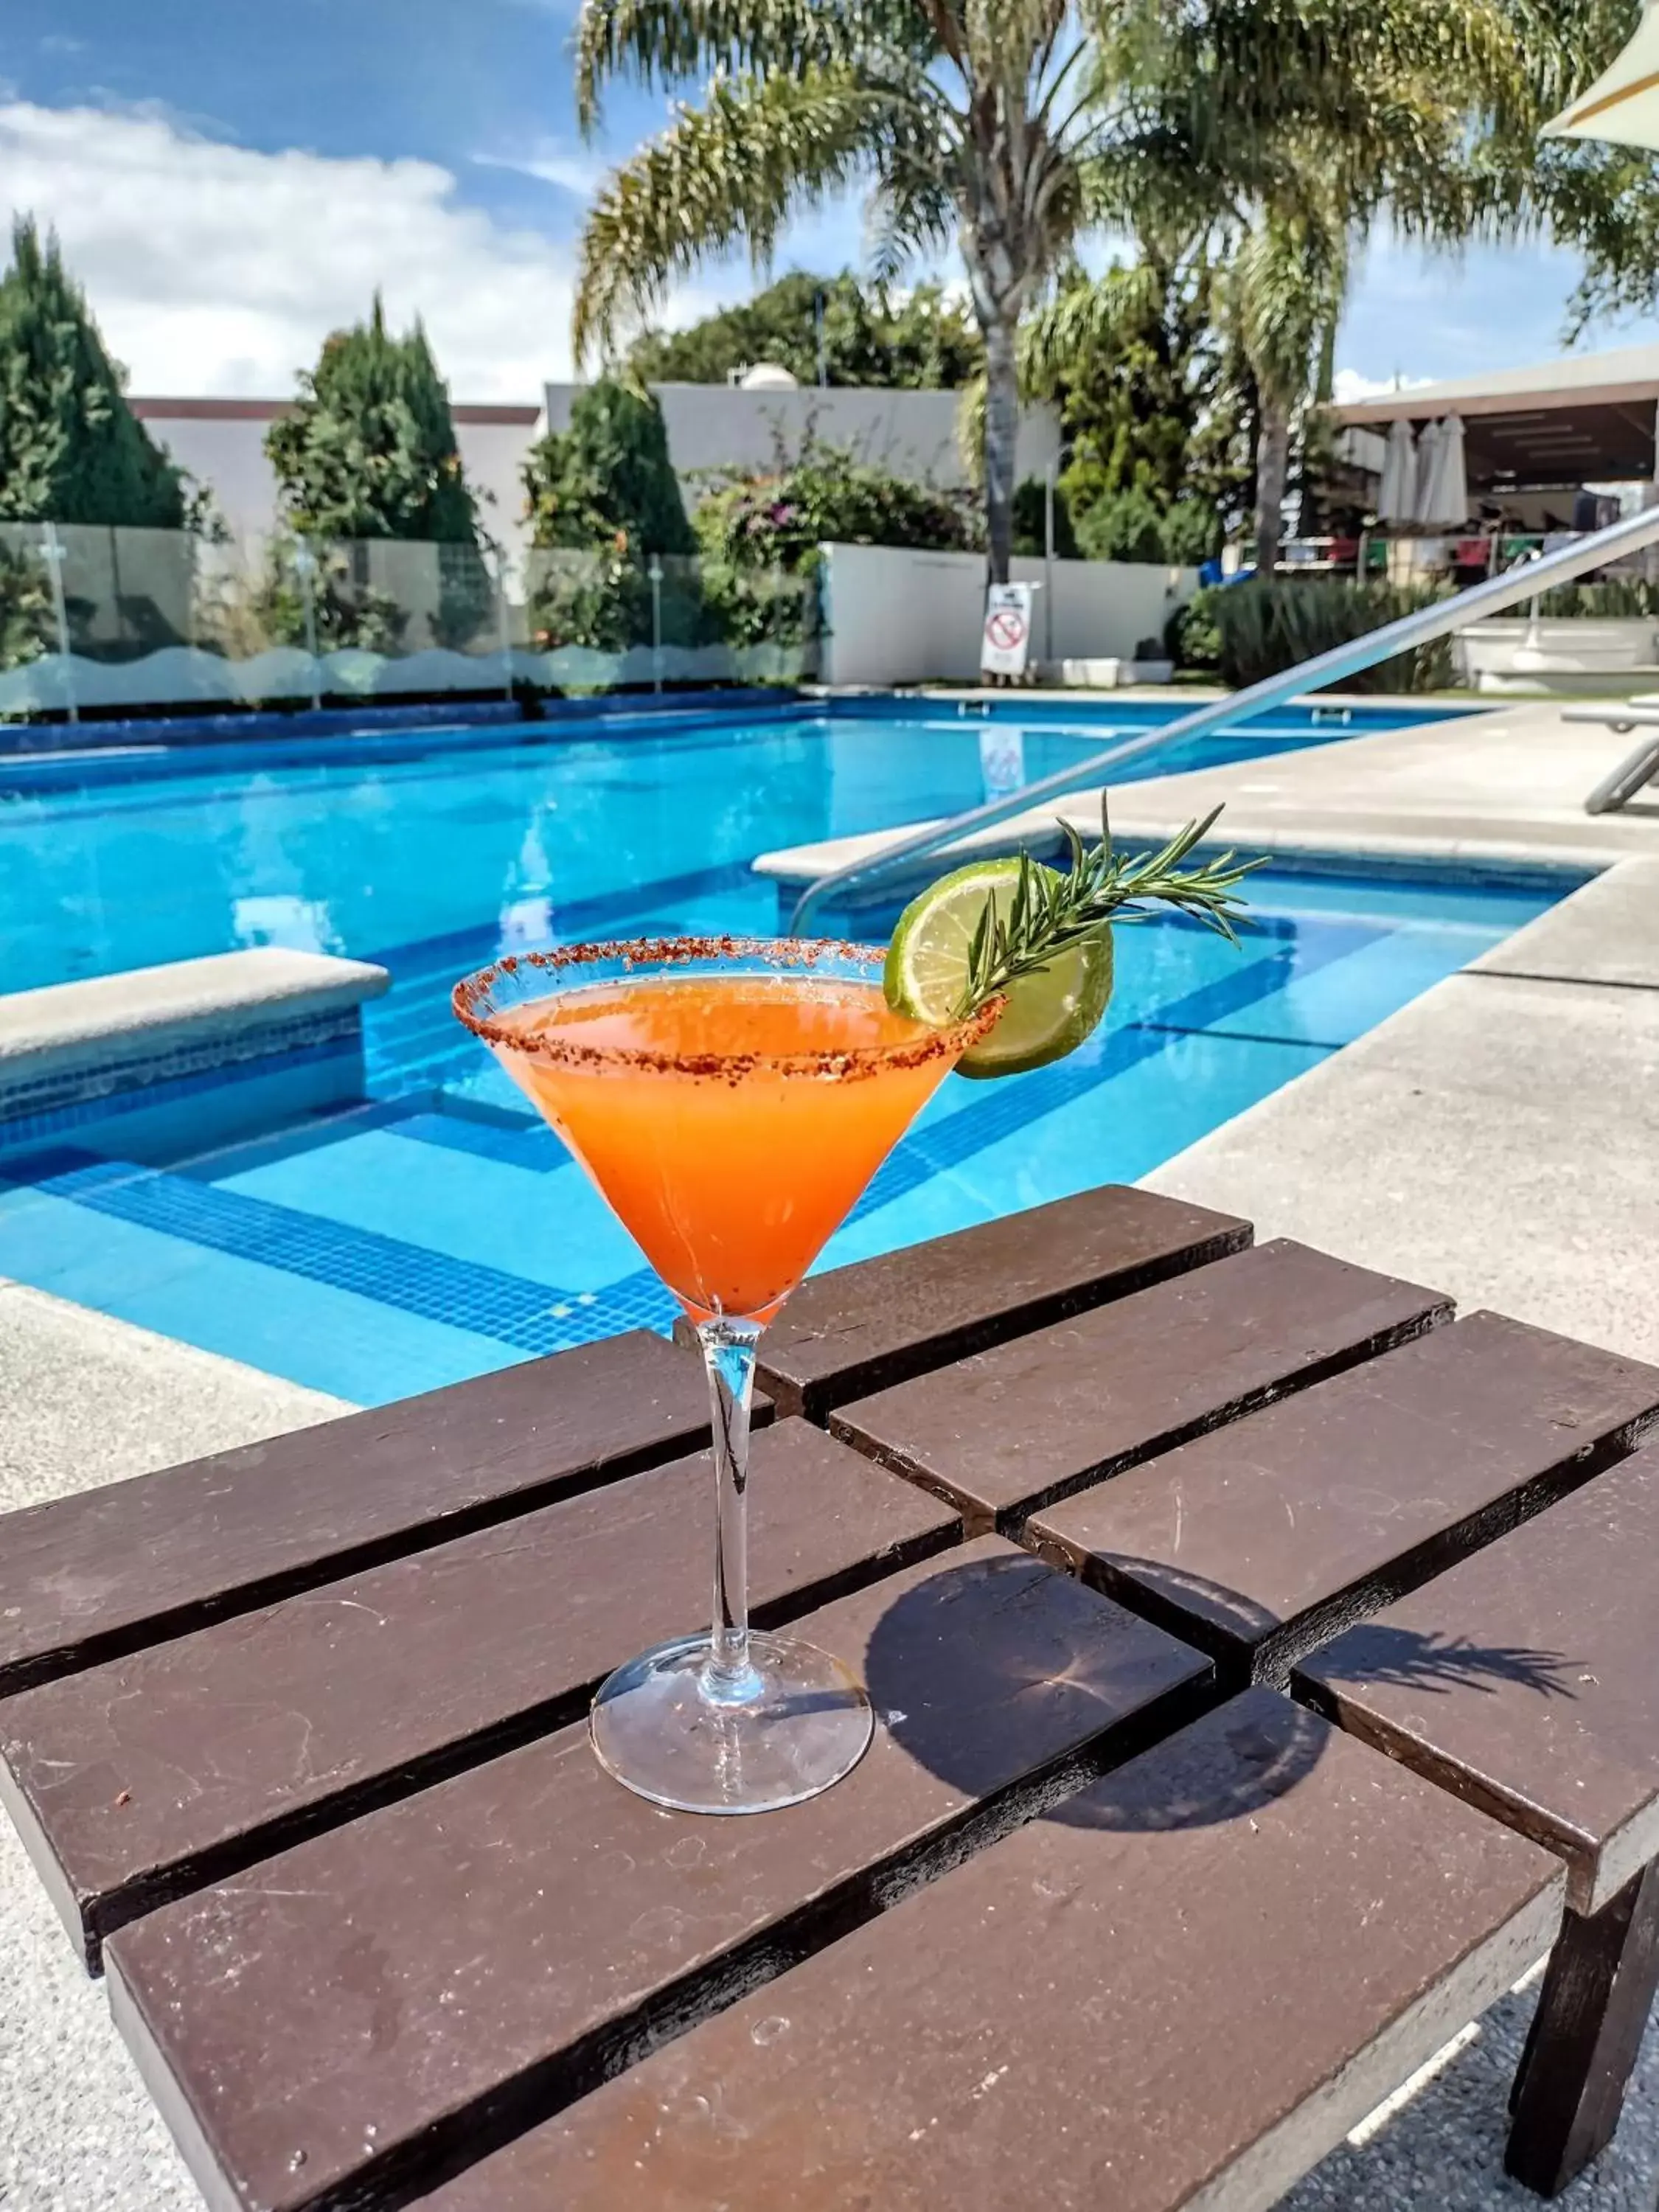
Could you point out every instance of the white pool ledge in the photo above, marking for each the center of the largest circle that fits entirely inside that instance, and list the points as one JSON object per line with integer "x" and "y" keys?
{"x": 194, "y": 1050}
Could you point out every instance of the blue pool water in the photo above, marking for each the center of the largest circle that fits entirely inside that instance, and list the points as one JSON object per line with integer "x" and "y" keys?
{"x": 438, "y": 1230}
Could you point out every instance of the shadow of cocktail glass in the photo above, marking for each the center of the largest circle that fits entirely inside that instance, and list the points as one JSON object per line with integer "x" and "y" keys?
{"x": 955, "y": 1661}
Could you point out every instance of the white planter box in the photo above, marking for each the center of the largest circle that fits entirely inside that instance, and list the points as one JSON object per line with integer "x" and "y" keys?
{"x": 1510, "y": 655}
{"x": 1108, "y": 673}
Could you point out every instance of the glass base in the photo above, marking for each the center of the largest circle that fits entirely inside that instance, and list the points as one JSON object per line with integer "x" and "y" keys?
{"x": 797, "y": 1722}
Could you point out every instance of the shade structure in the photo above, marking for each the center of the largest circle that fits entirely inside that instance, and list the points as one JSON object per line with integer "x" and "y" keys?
{"x": 1445, "y": 488}
{"x": 1622, "y": 106}
{"x": 1396, "y": 496}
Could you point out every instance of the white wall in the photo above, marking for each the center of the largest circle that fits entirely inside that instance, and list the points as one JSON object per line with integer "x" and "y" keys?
{"x": 912, "y": 434}
{"x": 904, "y": 618}
{"x": 221, "y": 442}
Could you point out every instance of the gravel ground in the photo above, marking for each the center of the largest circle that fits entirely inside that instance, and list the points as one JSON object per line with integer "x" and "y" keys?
{"x": 1443, "y": 2151}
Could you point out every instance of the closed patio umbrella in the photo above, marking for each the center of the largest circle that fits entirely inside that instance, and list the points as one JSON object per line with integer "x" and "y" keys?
{"x": 1428, "y": 447}
{"x": 1623, "y": 104}
{"x": 1397, "y": 494}
{"x": 1446, "y": 488}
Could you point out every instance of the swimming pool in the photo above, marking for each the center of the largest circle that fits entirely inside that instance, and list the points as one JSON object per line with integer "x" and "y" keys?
{"x": 438, "y": 1230}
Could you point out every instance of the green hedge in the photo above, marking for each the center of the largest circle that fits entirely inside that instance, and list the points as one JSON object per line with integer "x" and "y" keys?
{"x": 1262, "y": 628}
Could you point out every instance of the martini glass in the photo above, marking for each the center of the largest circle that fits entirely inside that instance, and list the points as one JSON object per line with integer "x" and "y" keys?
{"x": 731, "y": 1098}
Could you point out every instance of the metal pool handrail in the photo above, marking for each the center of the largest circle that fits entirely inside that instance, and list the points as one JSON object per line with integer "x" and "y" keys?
{"x": 1629, "y": 535}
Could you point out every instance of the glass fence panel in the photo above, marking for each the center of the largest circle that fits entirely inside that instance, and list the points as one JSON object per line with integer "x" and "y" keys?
{"x": 94, "y": 620}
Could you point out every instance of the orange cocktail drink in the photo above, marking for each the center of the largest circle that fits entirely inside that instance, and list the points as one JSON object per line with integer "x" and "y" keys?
{"x": 751, "y": 1112}
{"x": 731, "y": 1098}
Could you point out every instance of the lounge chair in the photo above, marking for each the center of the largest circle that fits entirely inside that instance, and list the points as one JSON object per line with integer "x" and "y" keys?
{"x": 1640, "y": 766}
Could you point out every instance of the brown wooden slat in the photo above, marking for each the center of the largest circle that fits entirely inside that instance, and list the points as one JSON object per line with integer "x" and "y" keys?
{"x": 864, "y": 1327}
{"x": 148, "y": 1776}
{"x": 1008, "y": 1432}
{"x": 1260, "y": 1539}
{"x": 1181, "y": 1988}
{"x": 321, "y": 2028}
{"x": 108, "y": 1569}
{"x": 1526, "y": 1679}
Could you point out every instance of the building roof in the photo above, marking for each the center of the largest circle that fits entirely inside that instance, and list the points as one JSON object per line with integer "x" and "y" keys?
{"x": 1626, "y": 375}
{"x": 1586, "y": 418}
{"x": 151, "y": 410}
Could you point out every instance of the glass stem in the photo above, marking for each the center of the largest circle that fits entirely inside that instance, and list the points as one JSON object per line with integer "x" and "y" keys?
{"x": 728, "y": 1351}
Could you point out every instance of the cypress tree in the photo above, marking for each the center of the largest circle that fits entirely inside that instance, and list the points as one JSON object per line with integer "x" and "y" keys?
{"x": 71, "y": 449}
{"x": 370, "y": 453}
{"x": 370, "y": 450}
{"x": 607, "y": 487}
{"x": 608, "y": 473}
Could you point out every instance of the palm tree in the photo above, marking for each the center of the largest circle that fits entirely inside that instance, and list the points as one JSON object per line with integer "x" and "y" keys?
{"x": 1284, "y": 291}
{"x": 1277, "y": 134}
{"x": 1009, "y": 127}
{"x": 972, "y": 122}
{"x": 1421, "y": 114}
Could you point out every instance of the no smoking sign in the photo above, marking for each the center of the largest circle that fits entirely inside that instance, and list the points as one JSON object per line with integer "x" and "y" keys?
{"x": 1007, "y": 629}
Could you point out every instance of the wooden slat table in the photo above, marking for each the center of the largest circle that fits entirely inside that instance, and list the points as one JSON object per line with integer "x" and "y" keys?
{"x": 295, "y": 1736}
{"x": 1548, "y": 1717}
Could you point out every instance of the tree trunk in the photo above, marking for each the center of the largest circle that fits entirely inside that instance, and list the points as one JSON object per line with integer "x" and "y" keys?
{"x": 1001, "y": 433}
{"x": 1272, "y": 469}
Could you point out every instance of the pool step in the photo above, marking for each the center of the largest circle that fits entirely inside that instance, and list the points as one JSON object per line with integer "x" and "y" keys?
{"x": 207, "y": 1050}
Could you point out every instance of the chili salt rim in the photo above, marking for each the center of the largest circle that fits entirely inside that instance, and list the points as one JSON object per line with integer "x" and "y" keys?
{"x": 785, "y": 952}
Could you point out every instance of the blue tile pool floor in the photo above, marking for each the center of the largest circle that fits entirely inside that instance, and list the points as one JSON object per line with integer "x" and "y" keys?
{"x": 438, "y": 1231}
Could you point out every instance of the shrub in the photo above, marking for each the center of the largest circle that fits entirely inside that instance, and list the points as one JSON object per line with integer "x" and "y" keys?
{"x": 1192, "y": 636}
{"x": 760, "y": 537}
{"x": 1266, "y": 627}
{"x": 1136, "y": 522}
{"x": 1124, "y": 525}
{"x": 780, "y": 520}
{"x": 368, "y": 452}
{"x": 603, "y": 497}
{"x": 1629, "y": 597}
{"x": 1031, "y": 522}
{"x": 28, "y": 621}
{"x": 608, "y": 473}
{"x": 1192, "y": 534}
{"x": 599, "y": 599}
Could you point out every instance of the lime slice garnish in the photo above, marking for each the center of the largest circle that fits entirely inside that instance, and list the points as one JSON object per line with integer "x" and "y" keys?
{"x": 1048, "y": 1014}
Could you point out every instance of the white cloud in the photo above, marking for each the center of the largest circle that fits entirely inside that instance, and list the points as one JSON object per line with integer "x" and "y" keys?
{"x": 216, "y": 270}
{"x": 579, "y": 174}
{"x": 1348, "y": 386}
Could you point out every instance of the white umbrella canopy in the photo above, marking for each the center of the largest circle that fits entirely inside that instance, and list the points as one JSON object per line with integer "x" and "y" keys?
{"x": 1622, "y": 106}
{"x": 1446, "y": 484}
{"x": 1428, "y": 449}
{"x": 1397, "y": 494}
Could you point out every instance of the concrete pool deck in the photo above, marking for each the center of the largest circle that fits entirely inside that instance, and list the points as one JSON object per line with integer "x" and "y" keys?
{"x": 1505, "y": 788}
{"x": 1499, "y": 1136}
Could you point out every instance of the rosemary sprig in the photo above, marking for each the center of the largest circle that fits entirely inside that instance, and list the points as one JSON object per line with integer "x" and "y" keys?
{"x": 1049, "y": 911}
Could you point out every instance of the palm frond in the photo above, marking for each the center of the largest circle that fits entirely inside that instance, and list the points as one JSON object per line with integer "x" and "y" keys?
{"x": 1284, "y": 285}
{"x": 913, "y": 216}
{"x": 1083, "y": 319}
{"x": 735, "y": 170}
{"x": 665, "y": 43}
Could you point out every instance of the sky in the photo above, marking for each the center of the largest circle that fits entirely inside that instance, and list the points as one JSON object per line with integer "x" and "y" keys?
{"x": 233, "y": 179}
